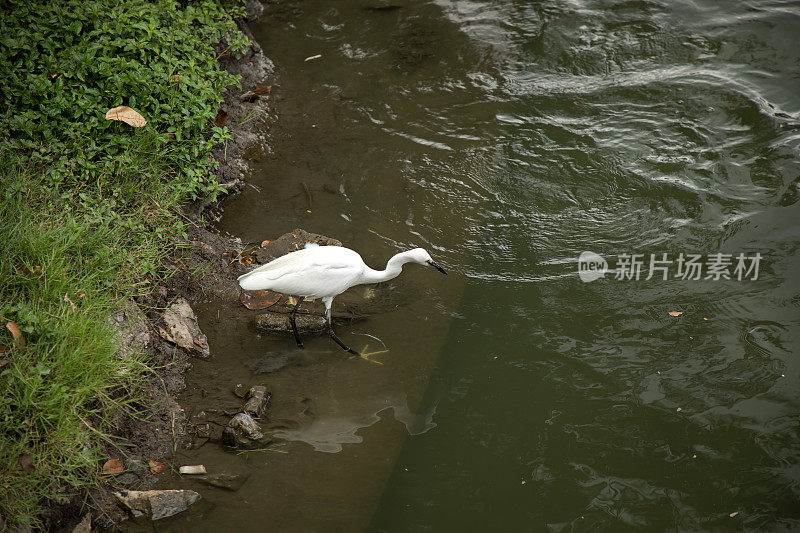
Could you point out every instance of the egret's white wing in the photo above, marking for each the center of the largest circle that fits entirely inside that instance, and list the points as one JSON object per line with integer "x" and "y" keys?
{"x": 313, "y": 272}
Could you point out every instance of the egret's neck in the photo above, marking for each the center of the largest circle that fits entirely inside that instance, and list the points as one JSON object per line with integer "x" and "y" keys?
{"x": 393, "y": 268}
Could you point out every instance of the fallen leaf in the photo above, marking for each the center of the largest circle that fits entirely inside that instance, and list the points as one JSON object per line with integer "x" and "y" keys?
{"x": 733, "y": 514}
{"x": 200, "y": 343}
{"x": 127, "y": 115}
{"x": 222, "y": 116}
{"x": 245, "y": 259}
{"x": 26, "y": 463}
{"x": 156, "y": 467}
{"x": 175, "y": 78}
{"x": 675, "y": 313}
{"x": 4, "y": 362}
{"x": 253, "y": 94}
{"x": 256, "y": 300}
{"x": 265, "y": 242}
{"x": 16, "y": 334}
{"x": 113, "y": 466}
{"x": 310, "y": 58}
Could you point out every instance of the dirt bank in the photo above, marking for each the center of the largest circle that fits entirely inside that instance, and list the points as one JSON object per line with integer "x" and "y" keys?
{"x": 205, "y": 264}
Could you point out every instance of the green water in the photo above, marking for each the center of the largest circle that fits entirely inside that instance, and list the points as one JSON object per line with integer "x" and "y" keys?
{"x": 507, "y": 138}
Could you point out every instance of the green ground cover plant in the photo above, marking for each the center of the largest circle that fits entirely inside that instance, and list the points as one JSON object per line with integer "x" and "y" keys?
{"x": 88, "y": 210}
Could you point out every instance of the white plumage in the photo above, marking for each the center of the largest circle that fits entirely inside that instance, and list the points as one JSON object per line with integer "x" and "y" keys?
{"x": 325, "y": 272}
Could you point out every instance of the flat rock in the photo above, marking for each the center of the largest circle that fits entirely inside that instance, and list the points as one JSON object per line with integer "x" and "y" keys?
{"x": 290, "y": 242}
{"x": 184, "y": 330}
{"x": 280, "y": 322}
{"x": 156, "y": 504}
{"x": 225, "y": 480}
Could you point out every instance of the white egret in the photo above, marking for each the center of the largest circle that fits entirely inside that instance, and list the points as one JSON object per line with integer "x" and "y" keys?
{"x": 325, "y": 272}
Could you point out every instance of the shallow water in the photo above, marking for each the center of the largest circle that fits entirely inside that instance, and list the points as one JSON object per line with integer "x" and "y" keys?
{"x": 507, "y": 138}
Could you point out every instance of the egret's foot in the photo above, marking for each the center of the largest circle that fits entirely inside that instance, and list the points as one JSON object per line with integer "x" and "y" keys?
{"x": 366, "y": 355}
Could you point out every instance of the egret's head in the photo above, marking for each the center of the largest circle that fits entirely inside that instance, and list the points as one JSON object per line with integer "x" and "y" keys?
{"x": 421, "y": 256}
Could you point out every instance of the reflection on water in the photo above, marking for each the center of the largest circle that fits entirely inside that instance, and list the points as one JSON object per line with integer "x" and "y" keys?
{"x": 507, "y": 138}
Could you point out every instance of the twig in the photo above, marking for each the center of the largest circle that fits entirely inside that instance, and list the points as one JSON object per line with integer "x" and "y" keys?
{"x": 308, "y": 193}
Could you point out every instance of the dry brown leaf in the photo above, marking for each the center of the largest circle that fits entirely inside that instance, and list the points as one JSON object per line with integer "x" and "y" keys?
{"x": 16, "y": 334}
{"x": 309, "y": 58}
{"x": 222, "y": 116}
{"x": 26, "y": 463}
{"x": 113, "y": 466}
{"x": 256, "y": 300}
{"x": 4, "y": 363}
{"x": 675, "y": 313}
{"x": 127, "y": 115}
{"x": 157, "y": 467}
{"x": 175, "y": 78}
{"x": 265, "y": 242}
{"x": 198, "y": 342}
{"x": 252, "y": 95}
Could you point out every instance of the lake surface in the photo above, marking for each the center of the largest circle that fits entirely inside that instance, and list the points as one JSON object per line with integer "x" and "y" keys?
{"x": 507, "y": 138}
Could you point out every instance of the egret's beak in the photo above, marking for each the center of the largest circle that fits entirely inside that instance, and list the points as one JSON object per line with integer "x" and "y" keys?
{"x": 437, "y": 267}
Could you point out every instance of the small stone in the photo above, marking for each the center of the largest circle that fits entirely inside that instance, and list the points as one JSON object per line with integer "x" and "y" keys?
{"x": 257, "y": 398}
{"x": 229, "y": 437}
{"x": 247, "y": 425}
{"x": 85, "y": 525}
{"x": 240, "y": 390}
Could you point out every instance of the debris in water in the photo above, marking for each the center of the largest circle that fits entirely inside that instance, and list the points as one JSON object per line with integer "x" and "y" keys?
{"x": 192, "y": 469}
{"x": 310, "y": 58}
{"x": 675, "y": 313}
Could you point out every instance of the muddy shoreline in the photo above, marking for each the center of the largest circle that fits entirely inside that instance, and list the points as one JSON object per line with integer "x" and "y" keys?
{"x": 205, "y": 265}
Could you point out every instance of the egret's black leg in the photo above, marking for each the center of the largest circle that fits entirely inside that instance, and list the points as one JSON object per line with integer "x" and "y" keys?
{"x": 337, "y": 339}
{"x": 294, "y": 326}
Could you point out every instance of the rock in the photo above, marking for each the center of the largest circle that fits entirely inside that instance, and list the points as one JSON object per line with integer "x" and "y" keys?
{"x": 156, "y": 504}
{"x": 225, "y": 480}
{"x": 183, "y": 328}
{"x": 253, "y": 10}
{"x": 257, "y": 399}
{"x": 280, "y": 322}
{"x": 229, "y": 437}
{"x": 290, "y": 242}
{"x": 248, "y": 426}
{"x": 271, "y": 362}
{"x": 85, "y": 525}
{"x": 240, "y": 390}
